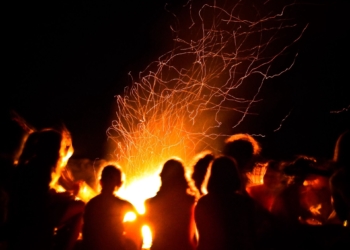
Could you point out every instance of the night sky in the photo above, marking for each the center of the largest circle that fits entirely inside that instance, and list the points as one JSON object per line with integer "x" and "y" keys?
{"x": 65, "y": 62}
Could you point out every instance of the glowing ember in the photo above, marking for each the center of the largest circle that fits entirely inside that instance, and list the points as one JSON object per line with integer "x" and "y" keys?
{"x": 316, "y": 209}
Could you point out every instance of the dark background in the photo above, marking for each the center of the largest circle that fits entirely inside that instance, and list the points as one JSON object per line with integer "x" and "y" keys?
{"x": 64, "y": 63}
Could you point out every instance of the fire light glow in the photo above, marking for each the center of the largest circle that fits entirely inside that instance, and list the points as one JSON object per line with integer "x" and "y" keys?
{"x": 147, "y": 237}
{"x": 213, "y": 76}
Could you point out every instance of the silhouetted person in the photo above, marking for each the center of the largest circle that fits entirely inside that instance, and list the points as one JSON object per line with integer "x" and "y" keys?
{"x": 225, "y": 218}
{"x": 273, "y": 183}
{"x": 12, "y": 134}
{"x": 317, "y": 197}
{"x": 200, "y": 170}
{"x": 37, "y": 211}
{"x": 340, "y": 180}
{"x": 288, "y": 205}
{"x": 340, "y": 188}
{"x": 170, "y": 214}
{"x": 244, "y": 149}
{"x": 104, "y": 216}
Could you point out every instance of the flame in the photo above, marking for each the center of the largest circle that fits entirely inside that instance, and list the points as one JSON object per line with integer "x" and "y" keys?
{"x": 86, "y": 193}
{"x": 140, "y": 190}
{"x": 66, "y": 151}
{"x": 147, "y": 237}
{"x": 256, "y": 177}
{"x": 129, "y": 216}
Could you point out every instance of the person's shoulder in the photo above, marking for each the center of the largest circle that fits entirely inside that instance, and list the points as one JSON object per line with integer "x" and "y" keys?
{"x": 339, "y": 178}
{"x": 205, "y": 199}
{"x": 191, "y": 198}
{"x": 92, "y": 204}
{"x": 151, "y": 200}
{"x": 239, "y": 197}
{"x": 124, "y": 203}
{"x": 338, "y": 175}
{"x": 94, "y": 200}
{"x": 256, "y": 189}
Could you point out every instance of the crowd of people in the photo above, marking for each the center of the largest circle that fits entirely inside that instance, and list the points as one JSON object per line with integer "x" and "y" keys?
{"x": 300, "y": 204}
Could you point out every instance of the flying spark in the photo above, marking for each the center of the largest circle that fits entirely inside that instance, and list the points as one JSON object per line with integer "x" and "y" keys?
{"x": 212, "y": 76}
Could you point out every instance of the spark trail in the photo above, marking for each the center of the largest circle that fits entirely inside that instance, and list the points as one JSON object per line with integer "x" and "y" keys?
{"x": 212, "y": 76}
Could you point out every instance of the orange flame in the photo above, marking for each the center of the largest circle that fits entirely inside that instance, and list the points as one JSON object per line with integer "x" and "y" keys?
{"x": 147, "y": 237}
{"x": 66, "y": 151}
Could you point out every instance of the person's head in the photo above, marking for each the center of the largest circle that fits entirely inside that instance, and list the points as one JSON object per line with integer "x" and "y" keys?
{"x": 224, "y": 176}
{"x": 48, "y": 145}
{"x": 12, "y": 136}
{"x": 342, "y": 149}
{"x": 111, "y": 178}
{"x": 44, "y": 145}
{"x": 243, "y": 148}
{"x": 173, "y": 175}
{"x": 42, "y": 153}
{"x": 200, "y": 170}
{"x": 301, "y": 168}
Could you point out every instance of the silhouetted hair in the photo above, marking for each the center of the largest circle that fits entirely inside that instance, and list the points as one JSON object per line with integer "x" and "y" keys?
{"x": 224, "y": 176}
{"x": 29, "y": 148}
{"x": 342, "y": 149}
{"x": 200, "y": 169}
{"x": 111, "y": 175}
{"x": 12, "y": 135}
{"x": 44, "y": 145}
{"x": 242, "y": 147}
{"x": 173, "y": 175}
{"x": 303, "y": 166}
{"x": 273, "y": 165}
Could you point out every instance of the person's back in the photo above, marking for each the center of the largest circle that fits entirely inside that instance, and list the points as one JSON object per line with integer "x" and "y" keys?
{"x": 339, "y": 181}
{"x": 36, "y": 210}
{"x": 273, "y": 183}
{"x": 225, "y": 218}
{"x": 103, "y": 222}
{"x": 225, "y": 222}
{"x": 104, "y": 216}
{"x": 170, "y": 214}
{"x": 29, "y": 209}
{"x": 288, "y": 206}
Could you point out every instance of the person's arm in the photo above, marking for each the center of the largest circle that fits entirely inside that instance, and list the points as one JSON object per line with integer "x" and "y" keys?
{"x": 338, "y": 196}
